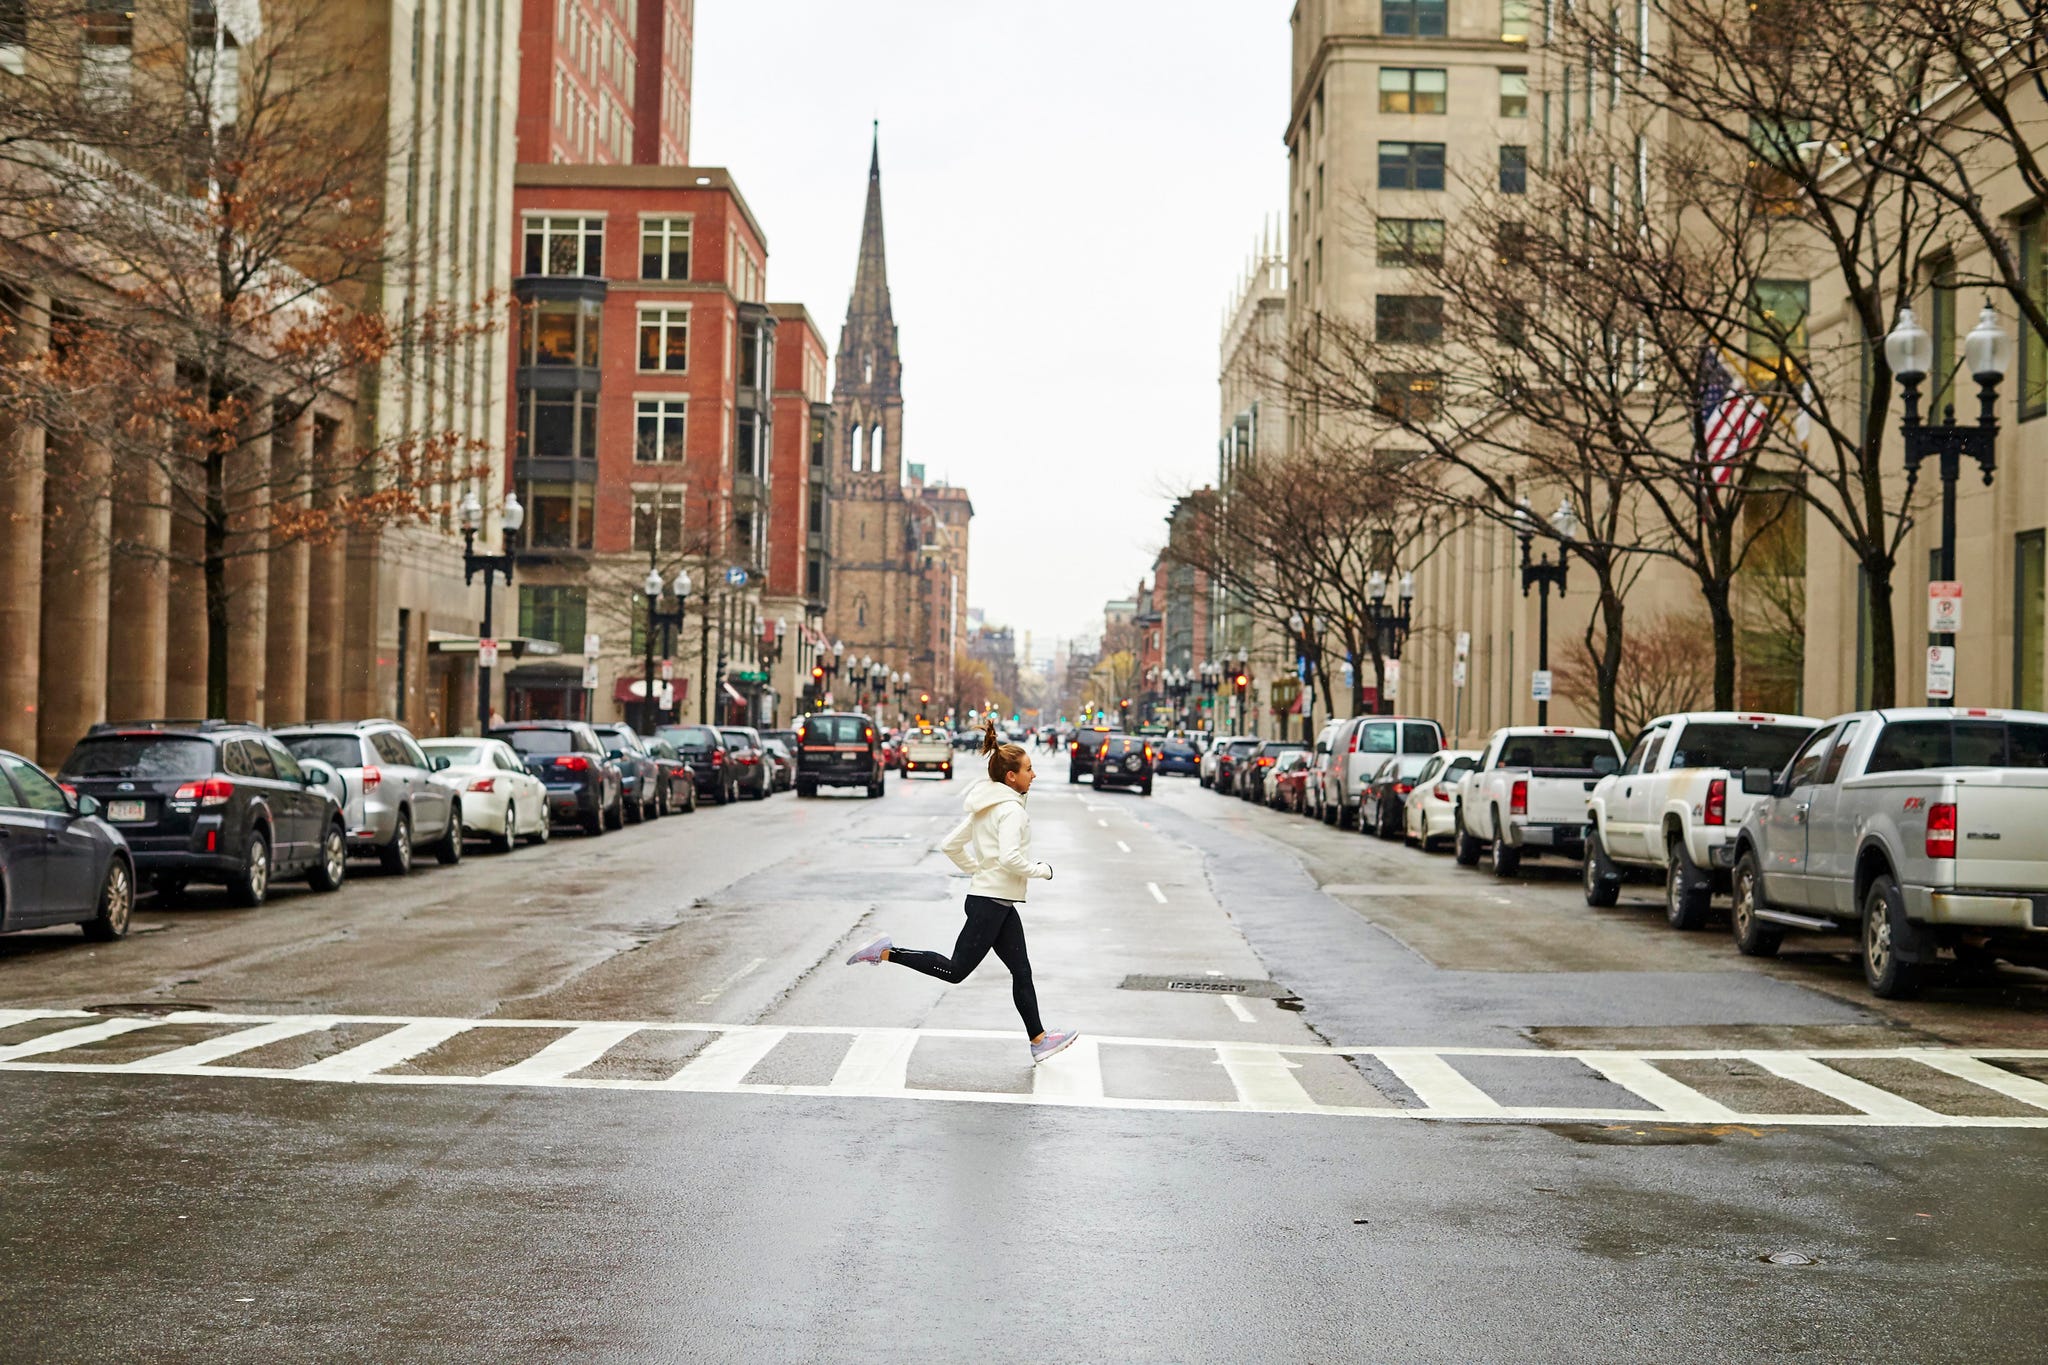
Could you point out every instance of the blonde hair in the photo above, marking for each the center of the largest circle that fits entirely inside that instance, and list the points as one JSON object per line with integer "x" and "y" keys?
{"x": 1003, "y": 759}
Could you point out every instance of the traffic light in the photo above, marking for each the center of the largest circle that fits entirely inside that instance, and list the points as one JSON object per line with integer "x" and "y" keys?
{"x": 817, "y": 673}
{"x": 1243, "y": 682}
{"x": 924, "y": 698}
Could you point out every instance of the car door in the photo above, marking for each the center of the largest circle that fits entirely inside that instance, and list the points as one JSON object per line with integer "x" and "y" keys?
{"x": 436, "y": 796}
{"x": 25, "y": 851}
{"x": 287, "y": 825}
{"x": 1784, "y": 824}
{"x": 1630, "y": 821}
{"x": 303, "y": 806}
{"x": 1831, "y": 832}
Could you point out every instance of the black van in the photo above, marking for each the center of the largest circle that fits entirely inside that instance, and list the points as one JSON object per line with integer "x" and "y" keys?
{"x": 838, "y": 749}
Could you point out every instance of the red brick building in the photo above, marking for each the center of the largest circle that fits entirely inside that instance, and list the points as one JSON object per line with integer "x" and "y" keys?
{"x": 605, "y": 82}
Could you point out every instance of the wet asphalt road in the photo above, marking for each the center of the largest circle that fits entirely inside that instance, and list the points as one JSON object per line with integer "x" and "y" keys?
{"x": 815, "y": 1205}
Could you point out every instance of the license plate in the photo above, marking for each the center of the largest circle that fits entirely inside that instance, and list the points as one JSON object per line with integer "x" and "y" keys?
{"x": 127, "y": 810}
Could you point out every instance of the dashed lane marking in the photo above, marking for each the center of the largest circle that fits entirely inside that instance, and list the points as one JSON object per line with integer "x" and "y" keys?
{"x": 1243, "y": 1015}
{"x": 722, "y": 987}
{"x": 1124, "y": 846}
{"x": 1157, "y": 894}
{"x": 1264, "y": 1077}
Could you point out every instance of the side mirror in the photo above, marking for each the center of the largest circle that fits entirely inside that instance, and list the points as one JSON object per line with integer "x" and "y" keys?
{"x": 440, "y": 763}
{"x": 314, "y": 775}
{"x": 1603, "y": 764}
{"x": 88, "y": 806}
{"x": 614, "y": 753}
{"x": 1759, "y": 782}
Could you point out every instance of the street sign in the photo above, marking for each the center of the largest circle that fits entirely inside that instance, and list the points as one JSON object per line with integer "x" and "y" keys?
{"x": 1941, "y": 672}
{"x": 589, "y": 673}
{"x": 1458, "y": 673}
{"x": 1393, "y": 679}
{"x": 668, "y": 670}
{"x": 1944, "y": 608}
{"x": 1539, "y": 685}
{"x": 736, "y": 576}
{"x": 749, "y": 675}
{"x": 592, "y": 646}
{"x": 1464, "y": 644}
{"x": 486, "y": 653}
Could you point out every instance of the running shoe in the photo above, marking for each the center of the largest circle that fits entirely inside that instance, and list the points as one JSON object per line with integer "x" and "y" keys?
{"x": 1052, "y": 1042}
{"x": 873, "y": 952}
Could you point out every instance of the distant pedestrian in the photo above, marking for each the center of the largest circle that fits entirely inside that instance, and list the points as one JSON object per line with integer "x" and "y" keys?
{"x": 993, "y": 846}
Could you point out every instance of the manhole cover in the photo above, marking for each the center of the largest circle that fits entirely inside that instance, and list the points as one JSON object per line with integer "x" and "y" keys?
{"x": 146, "y": 1007}
{"x": 1206, "y": 985}
{"x": 1789, "y": 1258}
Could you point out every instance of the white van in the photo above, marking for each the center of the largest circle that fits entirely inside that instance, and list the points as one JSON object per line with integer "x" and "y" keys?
{"x": 1355, "y": 750}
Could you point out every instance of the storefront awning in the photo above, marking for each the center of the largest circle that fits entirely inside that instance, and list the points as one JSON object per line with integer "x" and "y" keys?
{"x": 666, "y": 694}
{"x": 733, "y": 692}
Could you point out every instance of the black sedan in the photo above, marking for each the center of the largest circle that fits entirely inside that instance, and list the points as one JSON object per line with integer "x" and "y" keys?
{"x": 703, "y": 748}
{"x": 1124, "y": 761}
{"x": 59, "y": 862}
{"x": 569, "y": 758}
{"x": 678, "y": 785}
{"x": 1381, "y": 807}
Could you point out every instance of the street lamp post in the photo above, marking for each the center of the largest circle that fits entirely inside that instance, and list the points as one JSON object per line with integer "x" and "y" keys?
{"x": 1389, "y": 624}
{"x": 513, "y": 517}
{"x": 1542, "y": 573}
{"x": 1243, "y": 686}
{"x": 1910, "y": 353}
{"x": 1303, "y": 697}
{"x": 670, "y": 623}
{"x": 1212, "y": 683}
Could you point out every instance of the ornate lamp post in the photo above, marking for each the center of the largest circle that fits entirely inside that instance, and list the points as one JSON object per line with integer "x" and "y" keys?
{"x": 1243, "y": 685}
{"x": 513, "y": 517}
{"x": 1543, "y": 573}
{"x": 1306, "y": 699}
{"x": 1390, "y": 624}
{"x": 670, "y": 623}
{"x": 1909, "y": 351}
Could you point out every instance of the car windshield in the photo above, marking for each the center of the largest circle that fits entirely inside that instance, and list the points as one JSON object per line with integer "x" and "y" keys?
{"x": 145, "y": 756}
{"x": 1915, "y": 744}
{"x": 336, "y": 751}
{"x": 834, "y": 730}
{"x": 540, "y": 741}
{"x": 1240, "y": 747}
{"x": 1735, "y": 745}
{"x": 1275, "y": 748}
{"x": 1179, "y": 748}
{"x": 458, "y": 755}
{"x": 737, "y": 739}
{"x": 692, "y": 739}
{"x": 1561, "y": 755}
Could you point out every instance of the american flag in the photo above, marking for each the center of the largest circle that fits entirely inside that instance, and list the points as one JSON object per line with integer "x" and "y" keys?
{"x": 1731, "y": 419}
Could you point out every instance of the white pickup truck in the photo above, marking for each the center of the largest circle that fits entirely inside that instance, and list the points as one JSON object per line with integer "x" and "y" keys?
{"x": 1528, "y": 793}
{"x": 927, "y": 749}
{"x": 1672, "y": 811}
{"x": 1925, "y": 829}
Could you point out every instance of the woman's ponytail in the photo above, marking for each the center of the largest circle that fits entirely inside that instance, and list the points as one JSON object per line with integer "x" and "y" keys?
{"x": 989, "y": 740}
{"x": 1003, "y": 759}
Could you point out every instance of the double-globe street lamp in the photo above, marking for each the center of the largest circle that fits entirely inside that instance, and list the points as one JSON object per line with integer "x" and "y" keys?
{"x": 1542, "y": 573}
{"x": 1303, "y": 668}
{"x": 1178, "y": 683}
{"x": 1389, "y": 624}
{"x": 1987, "y": 350}
{"x": 670, "y": 623}
{"x": 513, "y": 517}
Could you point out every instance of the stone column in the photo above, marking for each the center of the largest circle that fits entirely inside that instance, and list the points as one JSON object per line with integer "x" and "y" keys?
{"x": 185, "y": 650}
{"x": 76, "y": 527}
{"x": 285, "y": 671}
{"x": 326, "y": 589}
{"x": 247, "y": 569}
{"x": 21, "y": 541}
{"x": 138, "y": 592}
{"x": 364, "y": 658}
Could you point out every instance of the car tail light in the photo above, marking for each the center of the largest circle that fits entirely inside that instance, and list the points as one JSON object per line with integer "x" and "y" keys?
{"x": 867, "y": 732}
{"x": 69, "y": 790}
{"x": 1941, "y": 830}
{"x": 1403, "y": 788}
{"x": 372, "y": 775}
{"x": 573, "y": 763}
{"x": 213, "y": 791}
{"x": 718, "y": 755}
{"x": 1717, "y": 801}
{"x": 1518, "y": 799}
{"x": 1265, "y": 763}
{"x": 1354, "y": 741}
{"x": 484, "y": 784}
{"x": 1442, "y": 790}
{"x": 750, "y": 759}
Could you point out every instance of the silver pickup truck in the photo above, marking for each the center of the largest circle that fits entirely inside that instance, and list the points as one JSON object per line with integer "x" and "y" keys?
{"x": 1925, "y": 829}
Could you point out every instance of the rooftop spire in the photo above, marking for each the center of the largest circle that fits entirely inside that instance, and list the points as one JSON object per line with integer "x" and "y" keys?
{"x": 871, "y": 276}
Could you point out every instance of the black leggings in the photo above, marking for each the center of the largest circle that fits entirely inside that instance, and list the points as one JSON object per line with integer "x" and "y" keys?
{"x": 990, "y": 924}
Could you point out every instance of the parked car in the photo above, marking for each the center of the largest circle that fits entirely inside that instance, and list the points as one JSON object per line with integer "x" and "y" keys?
{"x": 212, "y": 801}
{"x": 1082, "y": 747}
{"x": 1923, "y": 828}
{"x": 927, "y": 749}
{"x": 892, "y": 751}
{"x": 569, "y": 759}
{"x": 1228, "y": 762}
{"x": 60, "y": 861}
{"x": 639, "y": 774}
{"x": 1528, "y": 794}
{"x": 703, "y": 748}
{"x": 1287, "y": 784}
{"x": 385, "y": 784}
{"x": 1252, "y": 773}
{"x": 1174, "y": 755}
{"x": 1428, "y": 814}
{"x": 678, "y": 784}
{"x": 782, "y": 762}
{"x": 1357, "y": 749}
{"x": 789, "y": 743}
{"x": 1213, "y": 755}
{"x": 966, "y": 737}
{"x": 1672, "y": 811}
{"x": 1123, "y": 761}
{"x": 839, "y": 749}
{"x": 743, "y": 751}
{"x": 1321, "y": 756}
{"x": 501, "y": 800}
{"x": 1386, "y": 794}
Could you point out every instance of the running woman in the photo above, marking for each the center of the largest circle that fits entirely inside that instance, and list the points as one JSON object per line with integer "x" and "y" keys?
{"x": 992, "y": 845}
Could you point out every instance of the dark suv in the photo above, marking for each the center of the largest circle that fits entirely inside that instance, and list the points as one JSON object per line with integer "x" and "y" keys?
{"x": 1082, "y": 747}
{"x": 213, "y": 801}
{"x": 570, "y": 760}
{"x": 703, "y": 748}
{"x": 639, "y": 772}
{"x": 1124, "y": 761}
{"x": 838, "y": 749}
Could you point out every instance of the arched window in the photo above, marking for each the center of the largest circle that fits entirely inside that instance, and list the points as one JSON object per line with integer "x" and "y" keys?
{"x": 858, "y": 435}
{"x": 875, "y": 450}
{"x": 860, "y": 609}
{"x": 867, "y": 375}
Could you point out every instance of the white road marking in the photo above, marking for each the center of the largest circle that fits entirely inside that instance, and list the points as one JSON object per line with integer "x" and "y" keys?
{"x": 1157, "y": 894}
{"x": 1103, "y": 823}
{"x": 877, "y": 1063}
{"x": 1124, "y": 846}
{"x": 1244, "y": 1016}
{"x": 722, "y": 987}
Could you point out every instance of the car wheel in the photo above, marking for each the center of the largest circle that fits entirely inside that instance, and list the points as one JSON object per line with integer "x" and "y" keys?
{"x": 595, "y": 822}
{"x": 509, "y": 839}
{"x": 1752, "y": 939}
{"x": 1688, "y": 892}
{"x": 1507, "y": 861}
{"x": 1073, "y": 776}
{"x": 615, "y": 814}
{"x": 661, "y": 805}
{"x": 252, "y": 882}
{"x": 1332, "y": 813}
{"x": 1347, "y": 816}
{"x": 1465, "y": 848}
{"x": 544, "y": 829}
{"x": 1599, "y": 877}
{"x": 806, "y": 790}
{"x": 1887, "y": 939}
{"x": 117, "y": 903}
{"x": 449, "y": 850}
{"x": 332, "y": 869}
{"x": 630, "y": 812}
{"x": 396, "y": 856}
{"x": 1386, "y": 822}
{"x": 1146, "y": 790}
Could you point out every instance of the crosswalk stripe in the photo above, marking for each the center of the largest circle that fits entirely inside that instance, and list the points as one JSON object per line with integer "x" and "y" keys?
{"x": 1994, "y": 1078}
{"x": 1438, "y": 1084}
{"x": 572, "y": 1052}
{"x": 243, "y": 1040}
{"x": 877, "y": 1064}
{"x": 1264, "y": 1080}
{"x": 1671, "y": 1096}
{"x": 74, "y": 1037}
{"x": 365, "y": 1060}
{"x": 725, "y": 1060}
{"x": 1073, "y": 1076}
{"x": 1816, "y": 1075}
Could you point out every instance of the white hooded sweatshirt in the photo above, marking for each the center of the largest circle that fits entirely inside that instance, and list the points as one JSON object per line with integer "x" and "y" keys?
{"x": 993, "y": 844}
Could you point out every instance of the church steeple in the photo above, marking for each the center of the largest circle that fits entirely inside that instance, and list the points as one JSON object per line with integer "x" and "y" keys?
{"x": 867, "y": 386}
{"x": 871, "y": 276}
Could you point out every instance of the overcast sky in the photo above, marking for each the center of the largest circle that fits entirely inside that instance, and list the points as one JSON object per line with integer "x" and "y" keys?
{"x": 1070, "y": 192}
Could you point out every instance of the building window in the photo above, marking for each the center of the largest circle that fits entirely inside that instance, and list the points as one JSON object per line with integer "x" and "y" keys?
{"x": 658, "y": 519}
{"x": 564, "y": 246}
{"x": 1777, "y": 331}
{"x": 1409, "y": 241}
{"x": 750, "y": 427}
{"x": 553, "y": 612}
{"x": 814, "y": 578}
{"x": 664, "y": 248}
{"x": 558, "y": 426}
{"x": 1409, "y": 318}
{"x": 558, "y": 516}
{"x": 859, "y": 440}
{"x": 1413, "y": 18}
{"x": 660, "y": 429}
{"x": 1514, "y": 94}
{"x": 2029, "y": 603}
{"x": 1406, "y": 396}
{"x": 1514, "y": 21}
{"x": 665, "y": 339}
{"x": 1511, "y": 323}
{"x": 2033, "y": 344}
{"x": 108, "y": 23}
{"x": 1514, "y": 170}
{"x": 818, "y": 444}
{"x": 560, "y": 332}
{"x": 875, "y": 449}
{"x": 1411, "y": 165}
{"x": 1412, "y": 90}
